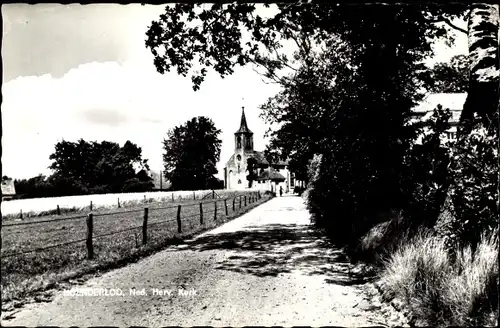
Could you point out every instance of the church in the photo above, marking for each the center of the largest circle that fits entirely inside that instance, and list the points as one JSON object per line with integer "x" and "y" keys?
{"x": 267, "y": 176}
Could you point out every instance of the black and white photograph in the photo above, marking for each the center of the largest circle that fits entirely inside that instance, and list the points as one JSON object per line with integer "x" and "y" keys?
{"x": 235, "y": 164}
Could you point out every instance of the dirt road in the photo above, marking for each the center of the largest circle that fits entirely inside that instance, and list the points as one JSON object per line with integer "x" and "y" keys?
{"x": 267, "y": 267}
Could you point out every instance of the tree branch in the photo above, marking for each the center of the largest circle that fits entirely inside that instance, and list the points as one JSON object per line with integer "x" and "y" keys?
{"x": 447, "y": 21}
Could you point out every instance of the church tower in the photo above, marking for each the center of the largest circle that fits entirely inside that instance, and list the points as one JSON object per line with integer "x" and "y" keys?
{"x": 243, "y": 138}
{"x": 236, "y": 168}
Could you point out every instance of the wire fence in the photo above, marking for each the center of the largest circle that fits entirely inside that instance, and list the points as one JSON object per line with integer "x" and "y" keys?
{"x": 38, "y": 207}
{"x": 217, "y": 208}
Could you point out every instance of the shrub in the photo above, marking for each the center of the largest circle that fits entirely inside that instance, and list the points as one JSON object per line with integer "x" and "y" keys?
{"x": 441, "y": 291}
{"x": 473, "y": 189}
{"x": 426, "y": 180}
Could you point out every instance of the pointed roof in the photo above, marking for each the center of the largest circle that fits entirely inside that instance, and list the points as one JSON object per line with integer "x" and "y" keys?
{"x": 243, "y": 124}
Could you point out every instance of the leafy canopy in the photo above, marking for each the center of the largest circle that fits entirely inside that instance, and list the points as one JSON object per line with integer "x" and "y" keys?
{"x": 192, "y": 151}
{"x": 193, "y": 38}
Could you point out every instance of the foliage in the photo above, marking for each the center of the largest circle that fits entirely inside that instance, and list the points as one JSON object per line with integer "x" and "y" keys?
{"x": 191, "y": 154}
{"x": 426, "y": 179}
{"x": 252, "y": 171}
{"x": 193, "y": 38}
{"x": 83, "y": 167}
{"x": 452, "y": 76}
{"x": 473, "y": 190}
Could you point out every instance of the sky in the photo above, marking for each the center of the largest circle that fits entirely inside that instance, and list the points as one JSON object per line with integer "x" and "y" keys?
{"x": 83, "y": 71}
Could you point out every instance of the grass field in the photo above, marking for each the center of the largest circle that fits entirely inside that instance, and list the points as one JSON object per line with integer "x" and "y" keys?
{"x": 117, "y": 239}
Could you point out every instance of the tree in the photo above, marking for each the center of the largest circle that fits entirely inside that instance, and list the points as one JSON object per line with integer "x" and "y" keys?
{"x": 482, "y": 96}
{"x": 81, "y": 167}
{"x": 252, "y": 171}
{"x": 193, "y": 37}
{"x": 452, "y": 76}
{"x": 192, "y": 151}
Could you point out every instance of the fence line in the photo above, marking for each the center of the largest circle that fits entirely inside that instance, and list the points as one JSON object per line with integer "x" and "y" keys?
{"x": 144, "y": 226}
{"x": 104, "y": 214}
{"x": 56, "y": 205}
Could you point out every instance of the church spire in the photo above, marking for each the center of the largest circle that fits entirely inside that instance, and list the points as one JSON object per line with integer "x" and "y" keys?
{"x": 243, "y": 124}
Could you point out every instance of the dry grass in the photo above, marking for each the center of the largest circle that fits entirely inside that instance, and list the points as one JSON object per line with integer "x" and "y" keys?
{"x": 22, "y": 275}
{"x": 440, "y": 291}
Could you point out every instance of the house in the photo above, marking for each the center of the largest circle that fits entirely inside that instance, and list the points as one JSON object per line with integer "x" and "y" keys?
{"x": 453, "y": 101}
{"x": 268, "y": 176}
{"x": 8, "y": 189}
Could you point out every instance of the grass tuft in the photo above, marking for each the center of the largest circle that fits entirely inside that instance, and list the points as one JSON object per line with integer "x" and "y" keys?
{"x": 439, "y": 290}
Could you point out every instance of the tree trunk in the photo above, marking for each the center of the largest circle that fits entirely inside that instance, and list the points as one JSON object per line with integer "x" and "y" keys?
{"x": 482, "y": 97}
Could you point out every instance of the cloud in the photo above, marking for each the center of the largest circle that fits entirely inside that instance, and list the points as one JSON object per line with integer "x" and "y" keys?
{"x": 53, "y": 38}
{"x": 108, "y": 117}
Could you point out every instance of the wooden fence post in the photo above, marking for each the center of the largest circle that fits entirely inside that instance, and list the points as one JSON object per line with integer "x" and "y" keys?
{"x": 194, "y": 195}
{"x": 225, "y": 205}
{"x": 90, "y": 228}
{"x": 145, "y": 227}
{"x": 201, "y": 213}
{"x": 119, "y": 202}
{"x": 213, "y": 194}
{"x": 179, "y": 230}
{"x": 234, "y": 201}
{"x": 172, "y": 196}
{"x": 240, "y": 201}
{"x": 91, "y": 205}
{"x": 58, "y": 210}
{"x": 21, "y": 214}
{"x": 215, "y": 210}
{"x": 245, "y": 200}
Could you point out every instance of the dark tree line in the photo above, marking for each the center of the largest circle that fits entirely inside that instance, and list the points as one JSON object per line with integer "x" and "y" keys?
{"x": 83, "y": 167}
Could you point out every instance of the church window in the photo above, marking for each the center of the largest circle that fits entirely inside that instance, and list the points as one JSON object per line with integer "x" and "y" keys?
{"x": 238, "y": 157}
{"x": 239, "y": 181}
{"x": 238, "y": 142}
{"x": 238, "y": 168}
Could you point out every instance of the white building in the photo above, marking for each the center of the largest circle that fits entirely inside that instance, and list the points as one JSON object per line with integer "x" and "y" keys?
{"x": 268, "y": 176}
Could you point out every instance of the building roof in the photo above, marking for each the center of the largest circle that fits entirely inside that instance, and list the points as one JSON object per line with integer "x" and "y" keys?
{"x": 243, "y": 124}
{"x": 272, "y": 175}
{"x": 8, "y": 188}
{"x": 453, "y": 101}
{"x": 260, "y": 158}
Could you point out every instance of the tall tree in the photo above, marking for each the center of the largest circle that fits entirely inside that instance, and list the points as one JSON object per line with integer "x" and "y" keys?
{"x": 482, "y": 97}
{"x": 452, "y": 76}
{"x": 192, "y": 151}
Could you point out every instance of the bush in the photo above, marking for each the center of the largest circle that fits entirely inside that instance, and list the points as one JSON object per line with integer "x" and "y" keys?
{"x": 441, "y": 291}
{"x": 473, "y": 189}
{"x": 426, "y": 179}
{"x": 136, "y": 185}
